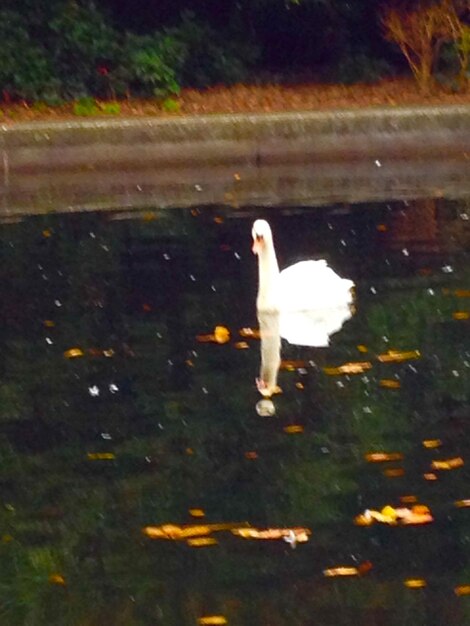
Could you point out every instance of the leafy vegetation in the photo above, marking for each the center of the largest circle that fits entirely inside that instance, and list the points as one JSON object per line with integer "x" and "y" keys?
{"x": 71, "y": 49}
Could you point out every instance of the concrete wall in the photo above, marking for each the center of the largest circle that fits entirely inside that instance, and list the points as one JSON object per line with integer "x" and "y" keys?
{"x": 289, "y": 158}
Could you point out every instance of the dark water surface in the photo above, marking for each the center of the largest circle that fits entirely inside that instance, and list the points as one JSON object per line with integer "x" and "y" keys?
{"x": 118, "y": 412}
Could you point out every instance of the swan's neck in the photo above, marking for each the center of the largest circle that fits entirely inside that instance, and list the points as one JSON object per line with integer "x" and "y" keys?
{"x": 268, "y": 276}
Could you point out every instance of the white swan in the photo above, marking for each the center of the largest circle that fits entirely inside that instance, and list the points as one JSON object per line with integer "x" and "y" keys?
{"x": 312, "y": 301}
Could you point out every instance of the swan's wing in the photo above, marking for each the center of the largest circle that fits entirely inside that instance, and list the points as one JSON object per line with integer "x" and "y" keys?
{"x": 312, "y": 284}
{"x": 313, "y": 327}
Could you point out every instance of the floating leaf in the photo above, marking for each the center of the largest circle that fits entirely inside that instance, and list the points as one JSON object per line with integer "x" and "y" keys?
{"x": 252, "y": 333}
{"x": 197, "y": 513}
{"x": 175, "y": 533}
{"x": 73, "y": 353}
{"x": 432, "y": 443}
{"x": 462, "y": 293}
{"x": 341, "y": 571}
{"x": 57, "y": 579}
{"x": 394, "y": 472}
{"x": 100, "y": 456}
{"x": 429, "y": 476}
{"x": 212, "y": 620}
{"x": 462, "y": 590}
{"x": 461, "y": 315}
{"x": 415, "y": 583}
{"x": 299, "y": 535}
{"x": 299, "y": 385}
{"x": 220, "y": 335}
{"x": 408, "y": 499}
{"x": 380, "y": 457}
{"x": 417, "y": 515}
{"x": 251, "y": 454}
{"x": 395, "y": 356}
{"x": 49, "y": 323}
{"x": 390, "y": 383}
{"x": 362, "y": 348}
{"x": 199, "y": 542}
{"x": 241, "y": 345}
{"x": 448, "y": 464}
{"x": 462, "y": 504}
{"x": 293, "y": 428}
{"x": 348, "y": 368}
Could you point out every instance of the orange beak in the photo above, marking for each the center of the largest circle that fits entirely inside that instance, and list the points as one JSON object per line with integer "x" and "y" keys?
{"x": 257, "y": 244}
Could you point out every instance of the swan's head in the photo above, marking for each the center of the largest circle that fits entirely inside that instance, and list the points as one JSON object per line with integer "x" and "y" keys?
{"x": 261, "y": 233}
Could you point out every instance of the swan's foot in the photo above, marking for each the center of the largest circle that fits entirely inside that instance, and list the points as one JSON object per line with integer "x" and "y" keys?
{"x": 267, "y": 390}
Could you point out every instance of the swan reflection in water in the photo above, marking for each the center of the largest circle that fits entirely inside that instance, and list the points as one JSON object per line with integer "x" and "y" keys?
{"x": 305, "y": 304}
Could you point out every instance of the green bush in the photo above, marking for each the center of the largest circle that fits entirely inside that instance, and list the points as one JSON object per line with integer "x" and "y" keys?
{"x": 212, "y": 57}
{"x": 151, "y": 63}
{"x": 85, "y": 106}
{"x": 170, "y": 105}
{"x": 26, "y": 70}
{"x": 110, "y": 108}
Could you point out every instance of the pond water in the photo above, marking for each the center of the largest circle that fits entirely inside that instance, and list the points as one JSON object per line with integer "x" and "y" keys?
{"x": 141, "y": 486}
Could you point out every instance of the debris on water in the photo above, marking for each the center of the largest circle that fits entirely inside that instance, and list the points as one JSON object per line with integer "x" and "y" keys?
{"x": 378, "y": 163}
{"x": 94, "y": 391}
{"x": 113, "y": 388}
{"x": 265, "y": 408}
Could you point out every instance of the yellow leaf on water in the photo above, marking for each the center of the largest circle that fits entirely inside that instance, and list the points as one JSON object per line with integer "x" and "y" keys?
{"x": 221, "y": 334}
{"x": 395, "y": 356}
{"x": 390, "y": 383}
{"x": 46, "y": 232}
{"x": 293, "y": 428}
{"x": 462, "y": 293}
{"x": 362, "y": 348}
{"x": 299, "y": 385}
{"x": 432, "y": 443}
{"x": 212, "y": 620}
{"x": 461, "y": 315}
{"x": 462, "y": 504}
{"x": 348, "y": 368}
{"x": 100, "y": 456}
{"x": 379, "y": 457}
{"x": 408, "y": 499}
{"x": 394, "y": 472}
{"x": 197, "y": 513}
{"x": 341, "y": 571}
{"x": 252, "y": 333}
{"x": 462, "y": 590}
{"x": 57, "y": 579}
{"x": 199, "y": 542}
{"x": 49, "y": 323}
{"x": 448, "y": 464}
{"x": 241, "y": 345}
{"x": 73, "y": 353}
{"x": 415, "y": 583}
{"x": 429, "y": 476}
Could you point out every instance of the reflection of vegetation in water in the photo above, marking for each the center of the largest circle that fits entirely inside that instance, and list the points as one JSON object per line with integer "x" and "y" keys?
{"x": 177, "y": 419}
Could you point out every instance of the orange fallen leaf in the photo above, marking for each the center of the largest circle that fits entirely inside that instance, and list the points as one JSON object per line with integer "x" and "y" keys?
{"x": 73, "y": 353}
{"x": 390, "y": 383}
{"x": 432, "y": 443}
{"x": 197, "y": 513}
{"x": 362, "y": 348}
{"x": 252, "y": 333}
{"x": 462, "y": 590}
{"x": 461, "y": 315}
{"x": 462, "y": 293}
{"x": 299, "y": 535}
{"x": 341, "y": 571}
{"x": 299, "y": 385}
{"x": 415, "y": 583}
{"x": 408, "y": 499}
{"x": 251, "y": 454}
{"x": 49, "y": 323}
{"x": 57, "y": 579}
{"x": 46, "y": 232}
{"x": 382, "y": 228}
{"x": 448, "y": 464}
{"x": 212, "y": 620}
{"x": 348, "y": 368}
{"x": 394, "y": 472}
{"x": 291, "y": 365}
{"x": 462, "y": 504}
{"x": 241, "y": 345}
{"x": 293, "y": 428}
{"x": 395, "y": 356}
{"x": 199, "y": 542}
{"x": 100, "y": 456}
{"x": 218, "y": 219}
{"x": 220, "y": 335}
{"x": 429, "y": 476}
{"x": 175, "y": 532}
{"x": 380, "y": 457}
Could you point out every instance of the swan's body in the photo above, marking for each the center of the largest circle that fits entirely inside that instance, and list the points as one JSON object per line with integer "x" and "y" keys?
{"x": 312, "y": 301}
